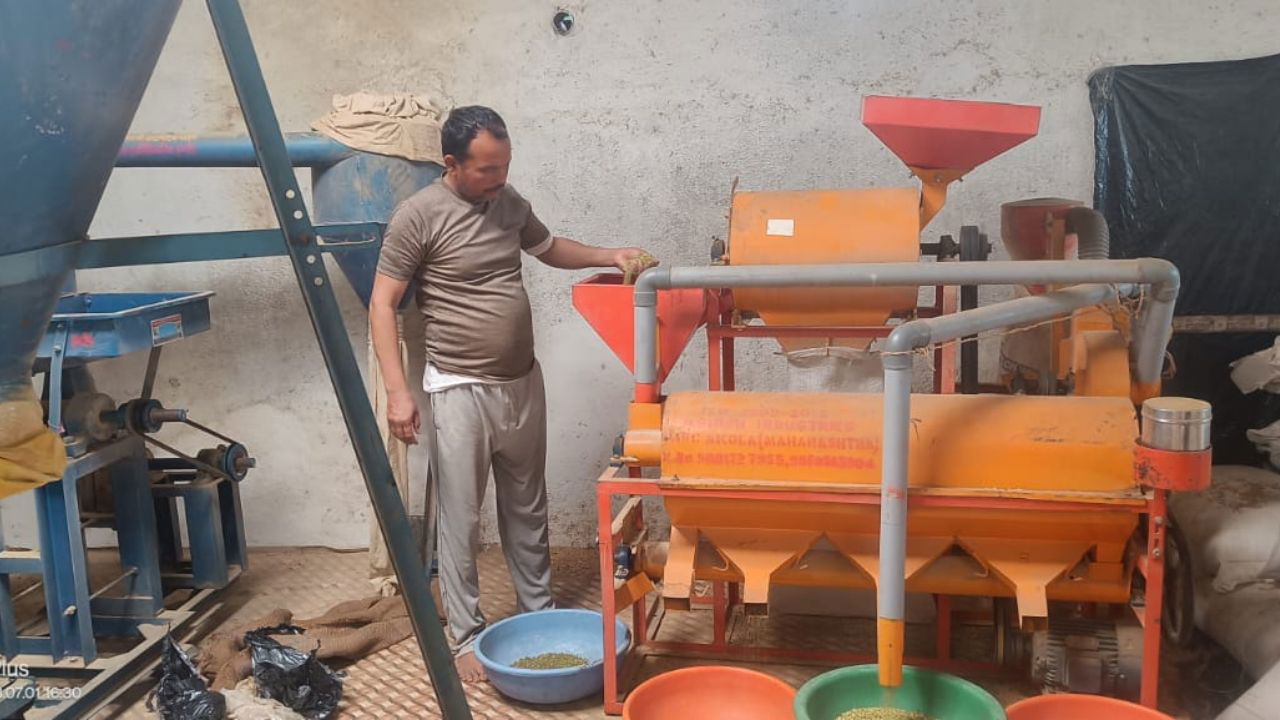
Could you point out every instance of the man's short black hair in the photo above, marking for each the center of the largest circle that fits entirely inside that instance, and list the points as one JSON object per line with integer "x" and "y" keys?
{"x": 462, "y": 126}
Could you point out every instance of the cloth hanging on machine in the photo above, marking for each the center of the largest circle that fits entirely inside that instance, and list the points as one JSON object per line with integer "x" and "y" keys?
{"x": 400, "y": 124}
{"x": 30, "y": 453}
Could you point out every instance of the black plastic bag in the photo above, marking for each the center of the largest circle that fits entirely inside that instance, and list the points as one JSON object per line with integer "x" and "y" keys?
{"x": 1185, "y": 169}
{"x": 297, "y": 679}
{"x": 182, "y": 693}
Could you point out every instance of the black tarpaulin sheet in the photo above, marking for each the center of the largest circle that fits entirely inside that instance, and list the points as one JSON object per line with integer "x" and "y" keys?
{"x": 1188, "y": 169}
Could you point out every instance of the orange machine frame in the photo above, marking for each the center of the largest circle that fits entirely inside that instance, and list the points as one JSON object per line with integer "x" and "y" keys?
{"x": 646, "y": 617}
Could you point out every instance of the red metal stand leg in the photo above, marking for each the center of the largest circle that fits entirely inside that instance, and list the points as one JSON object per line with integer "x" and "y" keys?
{"x": 604, "y": 520}
{"x": 1155, "y": 600}
{"x": 937, "y": 371}
{"x": 720, "y": 613}
{"x": 714, "y": 363}
{"x": 943, "y": 603}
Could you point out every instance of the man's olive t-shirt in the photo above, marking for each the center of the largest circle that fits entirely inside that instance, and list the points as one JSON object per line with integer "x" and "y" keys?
{"x": 465, "y": 258}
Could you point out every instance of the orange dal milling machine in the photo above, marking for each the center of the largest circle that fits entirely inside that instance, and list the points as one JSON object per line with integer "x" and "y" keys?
{"x": 1038, "y": 504}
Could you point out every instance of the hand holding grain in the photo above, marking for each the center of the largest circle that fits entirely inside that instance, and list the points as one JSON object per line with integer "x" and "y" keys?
{"x": 632, "y": 262}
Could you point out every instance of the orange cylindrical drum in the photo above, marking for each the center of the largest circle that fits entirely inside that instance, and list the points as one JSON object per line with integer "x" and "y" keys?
{"x": 824, "y": 227}
{"x": 1024, "y": 442}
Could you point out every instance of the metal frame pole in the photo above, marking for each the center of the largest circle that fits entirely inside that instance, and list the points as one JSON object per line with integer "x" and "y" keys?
{"x": 335, "y": 345}
{"x": 973, "y": 246}
{"x": 1152, "y": 614}
{"x": 608, "y": 601}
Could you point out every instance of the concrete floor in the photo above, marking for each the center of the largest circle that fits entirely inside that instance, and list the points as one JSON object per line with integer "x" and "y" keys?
{"x": 393, "y": 683}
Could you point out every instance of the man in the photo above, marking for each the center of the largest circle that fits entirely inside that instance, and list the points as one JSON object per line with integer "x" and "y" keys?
{"x": 460, "y": 239}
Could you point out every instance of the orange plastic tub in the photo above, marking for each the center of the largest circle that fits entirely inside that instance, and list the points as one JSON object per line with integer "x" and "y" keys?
{"x": 710, "y": 693}
{"x": 1076, "y": 707}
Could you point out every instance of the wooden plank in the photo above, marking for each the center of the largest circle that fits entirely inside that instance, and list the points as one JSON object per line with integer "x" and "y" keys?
{"x": 625, "y": 517}
{"x": 1226, "y": 323}
{"x": 632, "y": 591}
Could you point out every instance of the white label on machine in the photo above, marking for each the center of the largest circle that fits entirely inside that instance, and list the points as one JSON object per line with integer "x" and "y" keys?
{"x": 166, "y": 329}
{"x": 780, "y": 227}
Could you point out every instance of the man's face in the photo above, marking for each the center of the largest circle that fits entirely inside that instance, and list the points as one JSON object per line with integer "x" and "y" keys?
{"x": 484, "y": 173}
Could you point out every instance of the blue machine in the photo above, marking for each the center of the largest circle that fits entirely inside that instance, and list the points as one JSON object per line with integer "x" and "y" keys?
{"x": 106, "y": 448}
{"x": 71, "y": 75}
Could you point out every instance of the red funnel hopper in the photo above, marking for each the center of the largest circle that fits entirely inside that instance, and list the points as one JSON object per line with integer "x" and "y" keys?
{"x": 606, "y": 304}
{"x": 948, "y": 134}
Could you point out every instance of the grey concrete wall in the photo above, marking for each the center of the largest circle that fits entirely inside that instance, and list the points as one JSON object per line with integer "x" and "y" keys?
{"x": 628, "y": 131}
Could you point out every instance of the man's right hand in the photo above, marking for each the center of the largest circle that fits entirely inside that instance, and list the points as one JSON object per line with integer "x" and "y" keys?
{"x": 403, "y": 417}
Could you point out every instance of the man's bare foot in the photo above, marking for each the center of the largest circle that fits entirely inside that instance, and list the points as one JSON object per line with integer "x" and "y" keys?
{"x": 469, "y": 668}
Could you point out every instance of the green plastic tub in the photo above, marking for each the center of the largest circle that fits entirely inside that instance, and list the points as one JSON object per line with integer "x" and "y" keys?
{"x": 938, "y": 695}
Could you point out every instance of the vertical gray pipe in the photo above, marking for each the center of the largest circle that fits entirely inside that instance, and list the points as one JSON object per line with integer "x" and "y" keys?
{"x": 646, "y": 331}
{"x": 1154, "y": 324}
{"x": 895, "y": 468}
{"x": 893, "y": 487}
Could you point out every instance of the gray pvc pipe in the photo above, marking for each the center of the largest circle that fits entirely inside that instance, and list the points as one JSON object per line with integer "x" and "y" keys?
{"x": 1153, "y": 328}
{"x": 897, "y": 355}
{"x": 1154, "y": 325}
{"x": 1012, "y": 313}
{"x": 646, "y": 331}
{"x": 891, "y": 585}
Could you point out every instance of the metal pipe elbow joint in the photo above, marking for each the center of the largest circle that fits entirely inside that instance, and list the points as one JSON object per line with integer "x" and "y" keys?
{"x": 905, "y": 339}
{"x": 645, "y": 303}
{"x": 648, "y": 285}
{"x": 1154, "y": 326}
{"x": 1163, "y": 276}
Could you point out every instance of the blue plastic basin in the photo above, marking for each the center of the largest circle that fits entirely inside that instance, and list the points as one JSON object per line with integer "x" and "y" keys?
{"x": 580, "y": 632}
